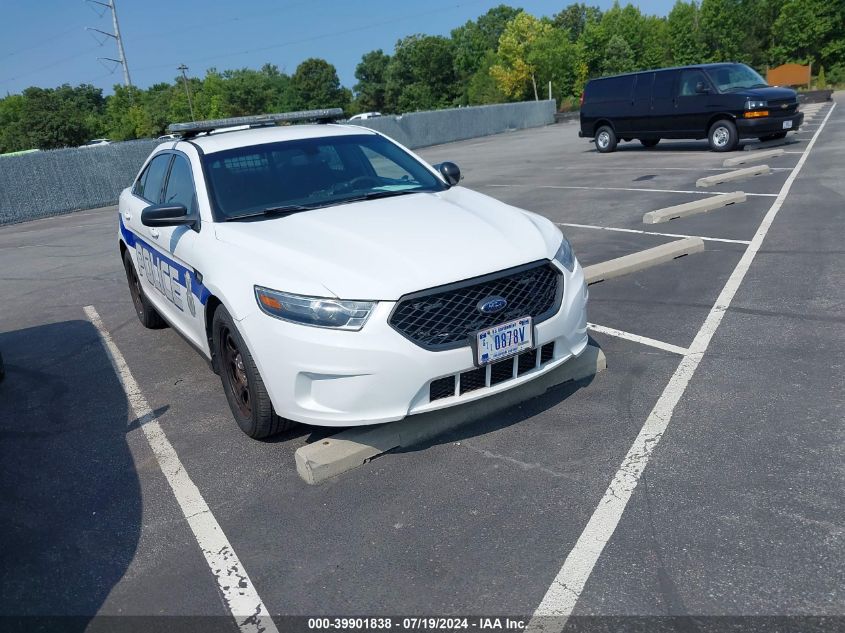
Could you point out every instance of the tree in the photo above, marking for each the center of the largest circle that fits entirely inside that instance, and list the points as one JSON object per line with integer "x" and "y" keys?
{"x": 476, "y": 37}
{"x": 686, "y": 41}
{"x": 13, "y": 137}
{"x": 574, "y": 19}
{"x": 555, "y": 58}
{"x": 515, "y": 72}
{"x": 421, "y": 74}
{"x": 482, "y": 88}
{"x": 723, "y": 28}
{"x": 618, "y": 56}
{"x": 371, "y": 74}
{"x": 62, "y": 116}
{"x": 809, "y": 31}
{"x": 315, "y": 85}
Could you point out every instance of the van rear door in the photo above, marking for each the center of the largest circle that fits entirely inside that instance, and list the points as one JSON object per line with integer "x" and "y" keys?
{"x": 611, "y": 99}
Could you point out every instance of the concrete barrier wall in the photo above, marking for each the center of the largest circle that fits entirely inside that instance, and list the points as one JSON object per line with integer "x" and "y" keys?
{"x": 49, "y": 183}
{"x": 422, "y": 129}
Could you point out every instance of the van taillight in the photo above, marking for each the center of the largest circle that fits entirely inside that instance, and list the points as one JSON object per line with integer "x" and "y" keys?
{"x": 582, "y": 98}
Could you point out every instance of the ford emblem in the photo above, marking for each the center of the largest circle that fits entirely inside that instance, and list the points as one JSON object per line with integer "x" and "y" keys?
{"x": 492, "y": 305}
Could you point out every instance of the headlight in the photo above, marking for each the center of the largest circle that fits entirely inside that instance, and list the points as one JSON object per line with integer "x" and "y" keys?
{"x": 753, "y": 105}
{"x": 316, "y": 311}
{"x": 564, "y": 256}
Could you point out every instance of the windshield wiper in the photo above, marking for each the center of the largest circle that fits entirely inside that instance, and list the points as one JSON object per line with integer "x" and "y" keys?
{"x": 375, "y": 195}
{"x": 286, "y": 209}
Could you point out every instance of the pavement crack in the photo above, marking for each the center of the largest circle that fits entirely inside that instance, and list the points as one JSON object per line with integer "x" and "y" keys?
{"x": 515, "y": 462}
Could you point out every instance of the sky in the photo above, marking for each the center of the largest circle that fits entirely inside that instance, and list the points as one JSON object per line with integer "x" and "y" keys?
{"x": 46, "y": 44}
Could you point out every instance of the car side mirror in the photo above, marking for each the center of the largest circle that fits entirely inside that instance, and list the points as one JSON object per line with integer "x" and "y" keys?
{"x": 450, "y": 171}
{"x": 167, "y": 215}
{"x": 702, "y": 88}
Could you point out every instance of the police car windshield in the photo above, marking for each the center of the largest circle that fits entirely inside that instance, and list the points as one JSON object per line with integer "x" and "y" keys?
{"x": 733, "y": 77}
{"x": 247, "y": 182}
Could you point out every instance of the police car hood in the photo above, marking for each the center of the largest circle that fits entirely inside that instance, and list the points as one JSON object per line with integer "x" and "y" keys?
{"x": 383, "y": 249}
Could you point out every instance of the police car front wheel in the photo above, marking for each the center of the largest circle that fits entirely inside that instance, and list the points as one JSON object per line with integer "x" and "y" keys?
{"x": 242, "y": 384}
{"x": 147, "y": 314}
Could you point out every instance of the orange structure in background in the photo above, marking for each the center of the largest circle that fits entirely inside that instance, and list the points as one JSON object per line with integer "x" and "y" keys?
{"x": 789, "y": 75}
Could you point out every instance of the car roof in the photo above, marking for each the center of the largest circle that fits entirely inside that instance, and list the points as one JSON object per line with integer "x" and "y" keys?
{"x": 222, "y": 140}
{"x": 656, "y": 70}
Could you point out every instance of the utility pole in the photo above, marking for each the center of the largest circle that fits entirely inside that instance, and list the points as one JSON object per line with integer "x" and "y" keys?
{"x": 116, "y": 36}
{"x": 184, "y": 68}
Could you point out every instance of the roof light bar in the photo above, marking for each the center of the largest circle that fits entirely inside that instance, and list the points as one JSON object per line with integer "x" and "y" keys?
{"x": 193, "y": 128}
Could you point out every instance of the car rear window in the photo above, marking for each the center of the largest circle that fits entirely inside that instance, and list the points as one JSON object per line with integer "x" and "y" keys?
{"x": 610, "y": 89}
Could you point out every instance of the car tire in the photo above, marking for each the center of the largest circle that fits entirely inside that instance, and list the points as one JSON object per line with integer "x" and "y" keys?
{"x": 605, "y": 139}
{"x": 649, "y": 142}
{"x": 147, "y": 314}
{"x": 723, "y": 136}
{"x": 244, "y": 388}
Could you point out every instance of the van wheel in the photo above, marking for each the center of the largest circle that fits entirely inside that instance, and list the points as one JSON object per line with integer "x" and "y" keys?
{"x": 147, "y": 314}
{"x": 723, "y": 136}
{"x": 242, "y": 384}
{"x": 649, "y": 142}
{"x": 605, "y": 139}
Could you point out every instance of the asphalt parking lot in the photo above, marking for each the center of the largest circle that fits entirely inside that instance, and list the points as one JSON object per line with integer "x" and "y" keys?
{"x": 701, "y": 474}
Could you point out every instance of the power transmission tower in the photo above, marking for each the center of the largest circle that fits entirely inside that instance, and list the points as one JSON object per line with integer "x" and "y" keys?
{"x": 116, "y": 35}
{"x": 184, "y": 68}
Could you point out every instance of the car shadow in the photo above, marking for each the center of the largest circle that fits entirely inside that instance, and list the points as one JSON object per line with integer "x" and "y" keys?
{"x": 70, "y": 499}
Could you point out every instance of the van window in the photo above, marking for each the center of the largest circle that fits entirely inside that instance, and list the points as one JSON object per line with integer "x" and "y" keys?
{"x": 610, "y": 89}
{"x": 688, "y": 82}
{"x": 642, "y": 88}
{"x": 663, "y": 82}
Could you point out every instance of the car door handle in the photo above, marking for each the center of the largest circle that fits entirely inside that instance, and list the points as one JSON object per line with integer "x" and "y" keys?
{"x": 154, "y": 233}
{"x": 127, "y": 216}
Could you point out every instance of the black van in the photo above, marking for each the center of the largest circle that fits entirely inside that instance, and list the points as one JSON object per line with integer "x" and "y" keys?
{"x": 720, "y": 102}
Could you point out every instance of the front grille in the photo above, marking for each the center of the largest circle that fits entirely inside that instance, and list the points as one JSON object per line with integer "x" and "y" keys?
{"x": 445, "y": 317}
{"x": 442, "y": 388}
{"x": 502, "y": 371}
{"x": 775, "y": 107}
{"x": 472, "y": 380}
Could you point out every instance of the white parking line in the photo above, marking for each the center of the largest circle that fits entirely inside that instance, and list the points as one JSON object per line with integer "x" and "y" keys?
{"x": 644, "y": 340}
{"x": 612, "y": 228}
{"x": 566, "y": 588}
{"x": 700, "y": 193}
{"x": 649, "y": 168}
{"x": 237, "y": 589}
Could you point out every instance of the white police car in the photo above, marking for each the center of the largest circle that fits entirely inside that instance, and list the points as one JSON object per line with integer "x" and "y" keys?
{"x": 334, "y": 278}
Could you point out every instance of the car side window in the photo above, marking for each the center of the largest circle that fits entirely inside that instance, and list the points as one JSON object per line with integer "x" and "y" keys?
{"x": 642, "y": 89}
{"x": 689, "y": 80}
{"x": 663, "y": 82}
{"x": 151, "y": 181}
{"x": 180, "y": 184}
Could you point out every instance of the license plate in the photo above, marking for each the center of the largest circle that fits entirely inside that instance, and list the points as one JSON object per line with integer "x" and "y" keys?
{"x": 787, "y": 125}
{"x": 503, "y": 340}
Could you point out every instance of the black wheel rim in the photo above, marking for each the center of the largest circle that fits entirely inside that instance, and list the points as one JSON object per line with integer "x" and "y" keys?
{"x": 235, "y": 371}
{"x": 135, "y": 289}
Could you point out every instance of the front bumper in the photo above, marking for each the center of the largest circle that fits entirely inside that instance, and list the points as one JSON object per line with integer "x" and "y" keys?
{"x": 768, "y": 125}
{"x": 327, "y": 377}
